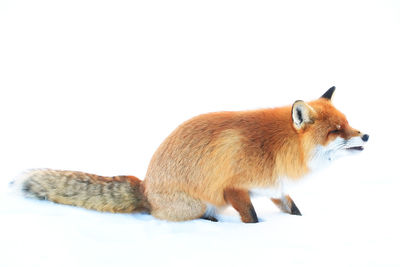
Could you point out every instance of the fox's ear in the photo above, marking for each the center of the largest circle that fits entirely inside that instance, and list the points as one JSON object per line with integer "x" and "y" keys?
{"x": 302, "y": 114}
{"x": 328, "y": 94}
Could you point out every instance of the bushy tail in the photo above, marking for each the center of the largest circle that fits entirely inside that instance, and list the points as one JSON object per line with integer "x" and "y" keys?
{"x": 123, "y": 194}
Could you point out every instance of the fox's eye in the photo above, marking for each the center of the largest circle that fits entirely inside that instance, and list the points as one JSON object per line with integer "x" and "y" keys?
{"x": 334, "y": 131}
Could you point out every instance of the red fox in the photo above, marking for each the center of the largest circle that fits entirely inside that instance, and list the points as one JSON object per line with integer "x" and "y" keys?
{"x": 214, "y": 160}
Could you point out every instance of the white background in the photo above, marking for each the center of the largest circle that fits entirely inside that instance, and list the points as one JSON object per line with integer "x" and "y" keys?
{"x": 97, "y": 85}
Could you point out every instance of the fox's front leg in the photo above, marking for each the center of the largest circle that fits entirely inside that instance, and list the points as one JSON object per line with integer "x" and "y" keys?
{"x": 286, "y": 204}
{"x": 240, "y": 200}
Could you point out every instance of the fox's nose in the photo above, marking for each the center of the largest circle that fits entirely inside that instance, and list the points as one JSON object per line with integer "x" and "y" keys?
{"x": 365, "y": 137}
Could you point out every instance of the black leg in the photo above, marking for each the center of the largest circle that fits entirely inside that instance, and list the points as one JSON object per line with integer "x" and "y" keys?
{"x": 209, "y": 218}
{"x": 287, "y": 205}
{"x": 240, "y": 200}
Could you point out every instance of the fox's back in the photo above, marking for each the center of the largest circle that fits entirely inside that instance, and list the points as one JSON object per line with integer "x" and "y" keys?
{"x": 213, "y": 151}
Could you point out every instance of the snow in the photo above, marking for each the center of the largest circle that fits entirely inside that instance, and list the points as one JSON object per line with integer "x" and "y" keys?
{"x": 340, "y": 226}
{"x": 95, "y": 86}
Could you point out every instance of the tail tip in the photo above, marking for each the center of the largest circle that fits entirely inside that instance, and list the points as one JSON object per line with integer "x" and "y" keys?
{"x": 17, "y": 185}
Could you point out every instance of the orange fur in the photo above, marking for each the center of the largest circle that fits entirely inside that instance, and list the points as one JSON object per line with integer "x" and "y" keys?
{"x": 242, "y": 150}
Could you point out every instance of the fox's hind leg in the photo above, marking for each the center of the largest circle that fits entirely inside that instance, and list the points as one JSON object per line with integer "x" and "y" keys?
{"x": 176, "y": 206}
{"x": 240, "y": 200}
{"x": 287, "y": 205}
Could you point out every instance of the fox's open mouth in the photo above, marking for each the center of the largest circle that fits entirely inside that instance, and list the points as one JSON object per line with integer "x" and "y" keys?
{"x": 358, "y": 148}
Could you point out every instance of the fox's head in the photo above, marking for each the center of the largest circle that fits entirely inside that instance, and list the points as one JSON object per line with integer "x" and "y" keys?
{"x": 325, "y": 130}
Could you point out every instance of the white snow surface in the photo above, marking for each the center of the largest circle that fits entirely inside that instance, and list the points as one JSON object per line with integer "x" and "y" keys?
{"x": 96, "y": 86}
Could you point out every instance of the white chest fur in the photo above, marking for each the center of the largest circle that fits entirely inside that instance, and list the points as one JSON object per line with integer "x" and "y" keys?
{"x": 276, "y": 191}
{"x": 323, "y": 155}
